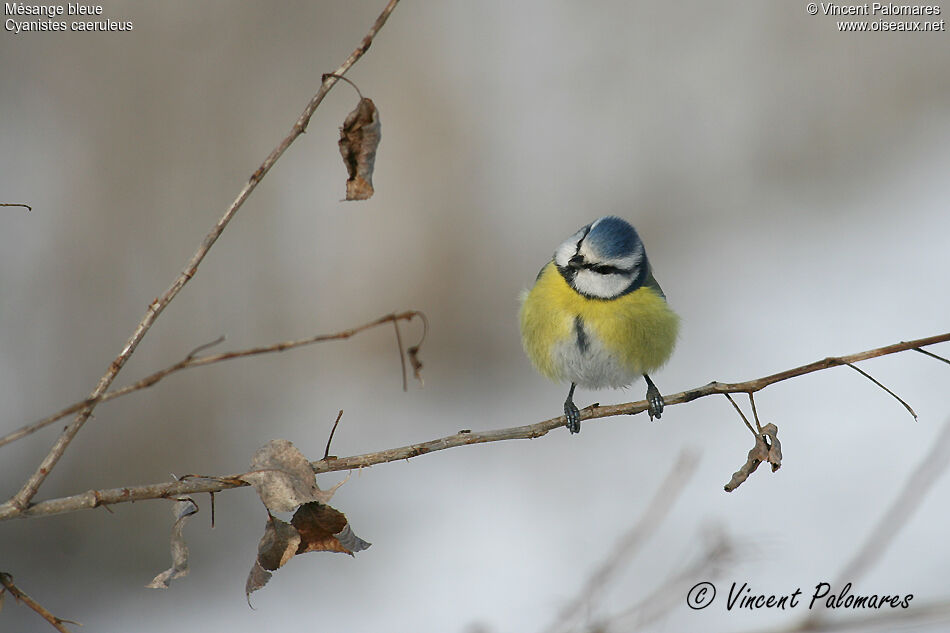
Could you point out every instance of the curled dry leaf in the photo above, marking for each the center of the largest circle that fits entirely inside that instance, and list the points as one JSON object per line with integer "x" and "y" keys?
{"x": 315, "y": 527}
{"x": 278, "y": 545}
{"x": 359, "y": 138}
{"x": 416, "y": 363}
{"x": 325, "y": 529}
{"x": 182, "y": 509}
{"x": 775, "y": 447}
{"x": 767, "y": 449}
{"x": 283, "y": 478}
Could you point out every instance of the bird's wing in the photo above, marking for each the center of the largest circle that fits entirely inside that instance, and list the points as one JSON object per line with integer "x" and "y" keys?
{"x": 650, "y": 282}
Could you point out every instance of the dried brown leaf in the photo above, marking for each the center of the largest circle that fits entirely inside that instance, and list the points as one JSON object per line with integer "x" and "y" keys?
{"x": 325, "y": 529}
{"x": 359, "y": 138}
{"x": 278, "y": 545}
{"x": 767, "y": 449}
{"x": 182, "y": 509}
{"x": 283, "y": 478}
{"x": 775, "y": 447}
{"x": 416, "y": 363}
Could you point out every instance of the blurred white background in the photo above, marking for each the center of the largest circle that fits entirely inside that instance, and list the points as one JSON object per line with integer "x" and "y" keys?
{"x": 789, "y": 181}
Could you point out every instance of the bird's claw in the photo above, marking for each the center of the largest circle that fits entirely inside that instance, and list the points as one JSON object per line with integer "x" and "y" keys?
{"x": 573, "y": 416}
{"x": 656, "y": 402}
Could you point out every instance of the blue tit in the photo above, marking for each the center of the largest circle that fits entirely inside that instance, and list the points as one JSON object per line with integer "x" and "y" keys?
{"x": 596, "y": 317}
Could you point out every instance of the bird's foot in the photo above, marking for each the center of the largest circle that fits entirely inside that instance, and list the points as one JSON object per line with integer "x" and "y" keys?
{"x": 654, "y": 399}
{"x": 573, "y": 416}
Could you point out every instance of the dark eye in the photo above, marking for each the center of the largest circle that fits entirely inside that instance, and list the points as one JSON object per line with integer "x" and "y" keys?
{"x": 602, "y": 269}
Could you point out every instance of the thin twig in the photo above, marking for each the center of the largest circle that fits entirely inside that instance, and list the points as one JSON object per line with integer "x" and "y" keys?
{"x": 741, "y": 414}
{"x": 932, "y": 355}
{"x": 58, "y": 623}
{"x": 355, "y": 87}
{"x": 199, "y": 361}
{"x": 927, "y": 473}
{"x": 719, "y": 551}
{"x": 96, "y": 498}
{"x": 755, "y": 414}
{"x": 629, "y": 543}
{"x": 22, "y": 498}
{"x": 326, "y": 453}
{"x": 902, "y": 618}
{"x": 402, "y": 356}
{"x": 874, "y": 380}
{"x": 204, "y": 346}
{"x": 16, "y": 204}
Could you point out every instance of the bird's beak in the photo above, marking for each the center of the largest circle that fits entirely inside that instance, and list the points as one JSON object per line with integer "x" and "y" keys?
{"x": 576, "y": 262}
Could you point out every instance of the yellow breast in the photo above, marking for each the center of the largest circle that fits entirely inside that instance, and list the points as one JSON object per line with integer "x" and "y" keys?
{"x": 636, "y": 331}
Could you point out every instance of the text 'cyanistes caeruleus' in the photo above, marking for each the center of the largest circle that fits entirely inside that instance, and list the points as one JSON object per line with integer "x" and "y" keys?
{"x": 596, "y": 316}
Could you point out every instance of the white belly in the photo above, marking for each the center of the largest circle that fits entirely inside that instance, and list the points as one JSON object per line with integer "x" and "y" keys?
{"x": 583, "y": 359}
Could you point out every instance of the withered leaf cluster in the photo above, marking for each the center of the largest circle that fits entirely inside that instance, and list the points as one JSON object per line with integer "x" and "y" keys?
{"x": 767, "y": 449}
{"x": 285, "y": 482}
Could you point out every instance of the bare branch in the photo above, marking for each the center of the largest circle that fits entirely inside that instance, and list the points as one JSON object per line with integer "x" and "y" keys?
{"x": 741, "y": 414}
{"x": 755, "y": 413}
{"x": 402, "y": 356}
{"x": 719, "y": 551}
{"x": 927, "y": 612}
{"x": 326, "y": 453}
{"x": 22, "y": 498}
{"x": 96, "y": 498}
{"x": 932, "y": 355}
{"x": 6, "y": 580}
{"x": 16, "y": 204}
{"x": 630, "y": 543}
{"x": 875, "y": 381}
{"x": 759, "y": 384}
{"x": 199, "y": 361}
{"x": 925, "y": 475}
{"x": 102, "y": 498}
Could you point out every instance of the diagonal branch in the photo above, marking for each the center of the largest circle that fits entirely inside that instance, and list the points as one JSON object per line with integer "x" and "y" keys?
{"x": 918, "y": 485}
{"x": 96, "y": 498}
{"x": 655, "y": 513}
{"x": 199, "y": 361}
{"x": 6, "y": 584}
{"x": 22, "y": 498}
{"x": 878, "y": 383}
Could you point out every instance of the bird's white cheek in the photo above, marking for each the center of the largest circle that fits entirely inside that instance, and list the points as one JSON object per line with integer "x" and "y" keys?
{"x": 596, "y": 285}
{"x": 564, "y": 253}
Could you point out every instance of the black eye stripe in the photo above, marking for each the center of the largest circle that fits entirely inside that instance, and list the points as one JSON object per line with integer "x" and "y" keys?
{"x": 603, "y": 269}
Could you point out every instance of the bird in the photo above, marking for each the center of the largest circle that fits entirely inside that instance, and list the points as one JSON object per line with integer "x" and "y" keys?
{"x": 596, "y": 317}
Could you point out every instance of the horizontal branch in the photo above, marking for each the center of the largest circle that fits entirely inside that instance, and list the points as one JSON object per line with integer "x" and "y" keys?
{"x": 96, "y": 498}
{"x": 191, "y": 360}
{"x": 538, "y": 429}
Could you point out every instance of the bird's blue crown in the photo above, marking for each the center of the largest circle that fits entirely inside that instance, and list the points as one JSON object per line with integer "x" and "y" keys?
{"x": 611, "y": 237}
